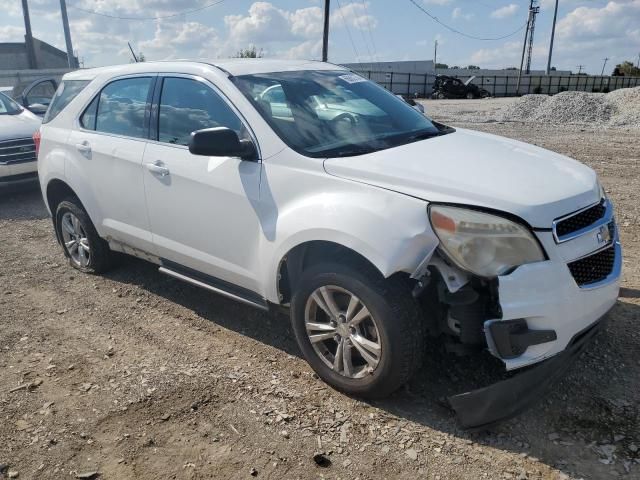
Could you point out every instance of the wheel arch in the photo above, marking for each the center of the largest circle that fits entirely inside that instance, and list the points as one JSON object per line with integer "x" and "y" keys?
{"x": 311, "y": 252}
{"x": 57, "y": 190}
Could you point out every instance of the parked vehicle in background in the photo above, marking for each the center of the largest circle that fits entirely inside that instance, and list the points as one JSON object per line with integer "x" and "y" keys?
{"x": 303, "y": 185}
{"x": 36, "y": 96}
{"x": 445, "y": 86}
{"x": 18, "y": 164}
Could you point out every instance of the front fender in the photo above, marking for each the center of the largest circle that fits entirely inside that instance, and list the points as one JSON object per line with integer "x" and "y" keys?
{"x": 390, "y": 230}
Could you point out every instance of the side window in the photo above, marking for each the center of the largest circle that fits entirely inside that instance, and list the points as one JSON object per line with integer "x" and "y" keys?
{"x": 67, "y": 91}
{"x": 88, "y": 118}
{"x": 188, "y": 105}
{"x": 121, "y": 107}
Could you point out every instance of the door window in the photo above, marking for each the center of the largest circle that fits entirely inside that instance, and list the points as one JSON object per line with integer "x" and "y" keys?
{"x": 121, "y": 108}
{"x": 188, "y": 105}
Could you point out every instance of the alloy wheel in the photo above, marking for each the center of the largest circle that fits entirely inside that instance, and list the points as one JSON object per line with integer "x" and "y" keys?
{"x": 343, "y": 332}
{"x": 75, "y": 239}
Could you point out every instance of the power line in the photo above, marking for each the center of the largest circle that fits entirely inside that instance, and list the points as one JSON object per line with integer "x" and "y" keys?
{"x": 160, "y": 17}
{"x": 473, "y": 37}
{"x": 367, "y": 16}
{"x": 364, "y": 40}
{"x": 348, "y": 31}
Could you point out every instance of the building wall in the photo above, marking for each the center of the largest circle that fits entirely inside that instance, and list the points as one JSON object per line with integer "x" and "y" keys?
{"x": 13, "y": 56}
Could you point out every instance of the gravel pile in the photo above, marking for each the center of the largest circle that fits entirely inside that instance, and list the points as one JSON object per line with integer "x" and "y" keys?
{"x": 619, "y": 108}
{"x": 626, "y": 105}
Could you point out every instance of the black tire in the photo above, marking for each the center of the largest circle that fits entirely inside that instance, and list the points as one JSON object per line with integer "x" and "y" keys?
{"x": 397, "y": 318}
{"x": 470, "y": 96}
{"x": 100, "y": 258}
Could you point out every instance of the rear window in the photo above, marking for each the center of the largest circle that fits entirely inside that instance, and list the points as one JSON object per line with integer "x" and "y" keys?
{"x": 67, "y": 91}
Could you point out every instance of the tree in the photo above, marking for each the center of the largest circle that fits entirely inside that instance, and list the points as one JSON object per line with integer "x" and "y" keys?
{"x": 473, "y": 67}
{"x": 627, "y": 69}
{"x": 250, "y": 52}
{"x": 442, "y": 65}
{"x": 140, "y": 56}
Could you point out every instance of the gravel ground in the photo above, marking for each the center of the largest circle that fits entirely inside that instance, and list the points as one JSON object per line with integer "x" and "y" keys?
{"x": 135, "y": 375}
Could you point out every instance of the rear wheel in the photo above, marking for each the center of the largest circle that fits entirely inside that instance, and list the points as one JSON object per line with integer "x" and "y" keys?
{"x": 359, "y": 332}
{"x": 470, "y": 96}
{"x": 80, "y": 241}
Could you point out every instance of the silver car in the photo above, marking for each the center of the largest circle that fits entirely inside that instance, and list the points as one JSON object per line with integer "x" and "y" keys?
{"x": 18, "y": 164}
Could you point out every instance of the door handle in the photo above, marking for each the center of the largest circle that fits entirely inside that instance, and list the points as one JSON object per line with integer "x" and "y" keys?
{"x": 83, "y": 147}
{"x": 158, "y": 168}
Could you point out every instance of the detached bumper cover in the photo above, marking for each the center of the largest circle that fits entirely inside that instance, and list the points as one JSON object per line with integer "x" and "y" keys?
{"x": 479, "y": 409}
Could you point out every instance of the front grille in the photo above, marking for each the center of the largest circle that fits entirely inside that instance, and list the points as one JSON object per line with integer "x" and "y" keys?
{"x": 593, "y": 268}
{"x": 580, "y": 220}
{"x": 17, "y": 151}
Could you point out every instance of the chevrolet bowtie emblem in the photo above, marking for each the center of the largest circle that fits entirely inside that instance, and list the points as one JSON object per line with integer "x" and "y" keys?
{"x": 604, "y": 236}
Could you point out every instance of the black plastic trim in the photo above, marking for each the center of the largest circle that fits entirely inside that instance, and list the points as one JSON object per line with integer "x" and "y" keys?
{"x": 235, "y": 290}
{"x": 485, "y": 407}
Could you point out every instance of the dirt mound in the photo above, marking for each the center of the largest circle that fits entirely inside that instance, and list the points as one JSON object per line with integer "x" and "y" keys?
{"x": 619, "y": 108}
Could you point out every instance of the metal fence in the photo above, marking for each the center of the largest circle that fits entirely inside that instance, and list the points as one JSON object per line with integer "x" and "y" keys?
{"x": 503, "y": 85}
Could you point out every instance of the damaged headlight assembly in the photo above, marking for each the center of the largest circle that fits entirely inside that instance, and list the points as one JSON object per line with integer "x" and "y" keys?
{"x": 484, "y": 244}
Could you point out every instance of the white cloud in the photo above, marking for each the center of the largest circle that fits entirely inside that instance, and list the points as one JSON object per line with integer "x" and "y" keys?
{"x": 175, "y": 40}
{"x": 9, "y": 33}
{"x": 506, "y": 11}
{"x": 458, "y": 13}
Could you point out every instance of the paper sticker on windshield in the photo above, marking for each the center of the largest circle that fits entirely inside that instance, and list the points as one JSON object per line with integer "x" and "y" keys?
{"x": 352, "y": 78}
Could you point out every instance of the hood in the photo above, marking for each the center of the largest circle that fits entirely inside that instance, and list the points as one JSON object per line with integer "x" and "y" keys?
{"x": 21, "y": 125}
{"x": 474, "y": 168}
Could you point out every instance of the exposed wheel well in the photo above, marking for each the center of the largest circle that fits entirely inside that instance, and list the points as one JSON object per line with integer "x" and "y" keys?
{"x": 306, "y": 254}
{"x": 57, "y": 190}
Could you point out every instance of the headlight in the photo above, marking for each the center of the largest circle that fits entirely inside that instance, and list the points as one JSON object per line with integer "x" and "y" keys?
{"x": 484, "y": 244}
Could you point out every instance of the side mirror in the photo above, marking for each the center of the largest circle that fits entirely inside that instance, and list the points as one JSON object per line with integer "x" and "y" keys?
{"x": 221, "y": 142}
{"x": 37, "y": 108}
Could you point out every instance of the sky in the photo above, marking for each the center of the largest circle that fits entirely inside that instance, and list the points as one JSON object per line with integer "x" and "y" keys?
{"x": 361, "y": 30}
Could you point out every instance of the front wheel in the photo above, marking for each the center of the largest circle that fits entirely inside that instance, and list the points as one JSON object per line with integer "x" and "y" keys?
{"x": 470, "y": 96}
{"x": 361, "y": 333}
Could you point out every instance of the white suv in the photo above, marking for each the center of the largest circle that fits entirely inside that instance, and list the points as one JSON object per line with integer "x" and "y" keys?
{"x": 304, "y": 185}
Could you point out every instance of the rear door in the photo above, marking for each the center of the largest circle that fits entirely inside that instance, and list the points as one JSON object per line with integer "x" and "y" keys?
{"x": 203, "y": 210}
{"x": 108, "y": 147}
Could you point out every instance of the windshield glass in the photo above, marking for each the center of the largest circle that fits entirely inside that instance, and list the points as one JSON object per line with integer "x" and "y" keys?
{"x": 333, "y": 113}
{"x": 8, "y": 106}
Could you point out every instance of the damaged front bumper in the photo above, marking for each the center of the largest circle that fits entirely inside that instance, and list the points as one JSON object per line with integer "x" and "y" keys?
{"x": 482, "y": 408}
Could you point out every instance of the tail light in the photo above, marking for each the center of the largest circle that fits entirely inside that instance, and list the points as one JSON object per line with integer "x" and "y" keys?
{"x": 36, "y": 140}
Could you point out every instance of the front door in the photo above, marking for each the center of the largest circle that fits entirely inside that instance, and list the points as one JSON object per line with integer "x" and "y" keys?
{"x": 203, "y": 210}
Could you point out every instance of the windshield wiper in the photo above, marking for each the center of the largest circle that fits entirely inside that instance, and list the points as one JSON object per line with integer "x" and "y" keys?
{"x": 425, "y": 134}
{"x": 352, "y": 151}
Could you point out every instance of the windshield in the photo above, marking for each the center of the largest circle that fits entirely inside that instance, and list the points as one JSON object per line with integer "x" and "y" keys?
{"x": 8, "y": 106}
{"x": 333, "y": 113}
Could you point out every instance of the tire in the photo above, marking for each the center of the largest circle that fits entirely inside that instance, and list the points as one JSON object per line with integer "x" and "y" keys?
{"x": 397, "y": 328}
{"x": 441, "y": 96}
{"x": 97, "y": 256}
{"x": 470, "y": 96}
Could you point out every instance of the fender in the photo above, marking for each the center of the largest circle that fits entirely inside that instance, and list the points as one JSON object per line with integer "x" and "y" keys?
{"x": 390, "y": 230}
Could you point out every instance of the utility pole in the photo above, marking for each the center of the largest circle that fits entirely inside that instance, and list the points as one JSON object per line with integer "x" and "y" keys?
{"x": 135, "y": 59}
{"x": 638, "y": 64}
{"x": 325, "y": 33}
{"x": 524, "y": 47}
{"x": 28, "y": 37}
{"x": 532, "y": 26}
{"x": 553, "y": 33}
{"x": 435, "y": 57}
{"x": 71, "y": 59}
{"x": 579, "y": 67}
{"x": 604, "y": 65}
